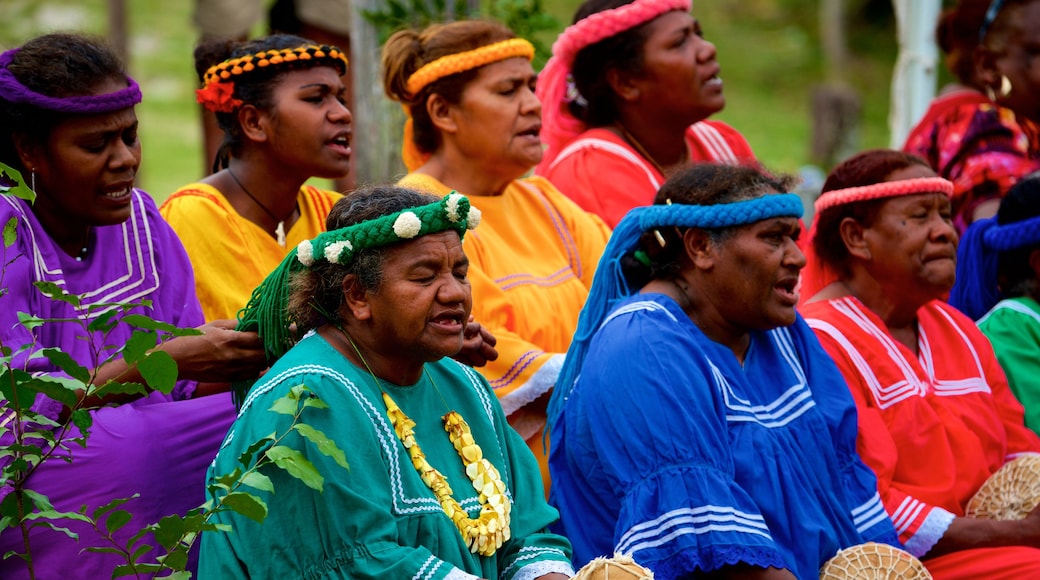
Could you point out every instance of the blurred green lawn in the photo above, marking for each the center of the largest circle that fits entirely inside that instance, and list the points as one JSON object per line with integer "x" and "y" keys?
{"x": 768, "y": 50}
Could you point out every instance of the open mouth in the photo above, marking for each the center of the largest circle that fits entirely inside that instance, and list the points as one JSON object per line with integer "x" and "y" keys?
{"x": 450, "y": 321}
{"x": 532, "y": 132}
{"x": 119, "y": 194}
{"x": 787, "y": 289}
{"x": 342, "y": 143}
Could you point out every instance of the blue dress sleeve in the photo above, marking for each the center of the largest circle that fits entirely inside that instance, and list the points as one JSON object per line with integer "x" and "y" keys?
{"x": 661, "y": 439}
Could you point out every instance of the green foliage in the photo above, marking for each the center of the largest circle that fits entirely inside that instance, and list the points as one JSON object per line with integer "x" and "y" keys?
{"x": 527, "y": 18}
{"x": 37, "y": 438}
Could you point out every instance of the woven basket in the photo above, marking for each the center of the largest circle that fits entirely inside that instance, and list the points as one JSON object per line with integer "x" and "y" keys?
{"x": 620, "y": 567}
{"x": 1010, "y": 493}
{"x": 873, "y": 561}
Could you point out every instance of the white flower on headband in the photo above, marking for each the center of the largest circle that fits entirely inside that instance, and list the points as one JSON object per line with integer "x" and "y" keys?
{"x": 335, "y": 249}
{"x": 473, "y": 218}
{"x": 452, "y": 206}
{"x": 407, "y": 225}
{"x": 305, "y": 253}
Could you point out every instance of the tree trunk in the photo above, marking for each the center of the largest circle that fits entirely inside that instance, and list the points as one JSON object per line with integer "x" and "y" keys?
{"x": 378, "y": 121}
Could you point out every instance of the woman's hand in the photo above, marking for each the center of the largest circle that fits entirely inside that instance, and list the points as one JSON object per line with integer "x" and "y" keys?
{"x": 478, "y": 345}
{"x": 219, "y": 354}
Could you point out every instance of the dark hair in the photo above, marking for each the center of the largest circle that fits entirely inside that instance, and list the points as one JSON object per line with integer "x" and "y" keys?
{"x": 699, "y": 184}
{"x": 622, "y": 52}
{"x": 56, "y": 65}
{"x": 865, "y": 168}
{"x": 316, "y": 294}
{"x": 1014, "y": 274}
{"x": 255, "y": 88}
{"x": 957, "y": 33}
{"x": 408, "y": 50}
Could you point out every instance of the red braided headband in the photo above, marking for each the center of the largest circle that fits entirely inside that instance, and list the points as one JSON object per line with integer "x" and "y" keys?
{"x": 835, "y": 197}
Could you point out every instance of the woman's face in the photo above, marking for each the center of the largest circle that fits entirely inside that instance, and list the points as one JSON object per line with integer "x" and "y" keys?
{"x": 756, "y": 274}
{"x": 1021, "y": 63}
{"x": 310, "y": 124}
{"x": 85, "y": 170}
{"x": 498, "y": 119}
{"x": 680, "y": 75}
{"x": 420, "y": 310}
{"x": 912, "y": 242}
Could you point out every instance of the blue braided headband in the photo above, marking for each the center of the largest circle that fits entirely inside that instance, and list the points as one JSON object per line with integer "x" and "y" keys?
{"x": 610, "y": 286}
{"x": 723, "y": 215}
{"x": 1007, "y": 237}
{"x": 13, "y": 91}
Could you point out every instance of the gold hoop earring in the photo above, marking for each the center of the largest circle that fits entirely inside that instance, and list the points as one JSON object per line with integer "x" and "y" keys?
{"x": 1005, "y": 86}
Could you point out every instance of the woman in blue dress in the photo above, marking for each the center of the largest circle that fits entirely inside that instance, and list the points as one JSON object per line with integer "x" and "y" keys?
{"x": 698, "y": 425}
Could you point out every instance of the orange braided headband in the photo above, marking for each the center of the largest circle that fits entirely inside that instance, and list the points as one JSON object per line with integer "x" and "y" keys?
{"x": 218, "y": 87}
{"x": 836, "y": 197}
{"x": 469, "y": 60}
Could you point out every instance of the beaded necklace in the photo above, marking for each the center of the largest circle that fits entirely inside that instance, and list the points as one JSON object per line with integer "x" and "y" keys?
{"x": 488, "y": 531}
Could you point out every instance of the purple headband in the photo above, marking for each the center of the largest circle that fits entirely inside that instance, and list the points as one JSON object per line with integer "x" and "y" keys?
{"x": 15, "y": 92}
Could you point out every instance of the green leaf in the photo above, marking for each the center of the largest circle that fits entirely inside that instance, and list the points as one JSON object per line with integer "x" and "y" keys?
{"x": 105, "y": 322}
{"x": 26, "y": 397}
{"x": 159, "y": 371}
{"x": 28, "y": 321}
{"x": 82, "y": 419}
{"x": 315, "y": 403}
{"x": 177, "y": 559}
{"x": 56, "y": 515}
{"x": 258, "y": 480}
{"x": 56, "y": 528}
{"x": 63, "y": 361}
{"x": 286, "y": 405}
{"x": 325, "y": 445}
{"x": 227, "y": 481}
{"x": 118, "y": 387}
{"x": 116, "y": 520}
{"x": 12, "y": 183}
{"x": 42, "y": 502}
{"x": 247, "y": 504}
{"x": 169, "y": 530}
{"x": 59, "y": 388}
{"x": 10, "y": 232}
{"x": 138, "y": 345}
{"x": 246, "y": 458}
{"x": 146, "y": 323}
{"x": 140, "y": 552}
{"x": 296, "y": 465}
{"x": 100, "y": 511}
{"x": 55, "y": 292}
{"x": 136, "y": 570}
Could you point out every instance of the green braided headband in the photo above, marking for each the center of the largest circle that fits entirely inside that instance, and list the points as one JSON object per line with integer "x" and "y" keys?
{"x": 266, "y": 312}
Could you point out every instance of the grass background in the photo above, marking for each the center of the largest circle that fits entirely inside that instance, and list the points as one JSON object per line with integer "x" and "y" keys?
{"x": 768, "y": 49}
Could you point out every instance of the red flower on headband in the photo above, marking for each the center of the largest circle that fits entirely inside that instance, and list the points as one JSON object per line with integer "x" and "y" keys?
{"x": 218, "y": 97}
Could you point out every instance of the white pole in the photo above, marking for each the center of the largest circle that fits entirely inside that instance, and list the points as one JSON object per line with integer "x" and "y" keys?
{"x": 915, "y": 75}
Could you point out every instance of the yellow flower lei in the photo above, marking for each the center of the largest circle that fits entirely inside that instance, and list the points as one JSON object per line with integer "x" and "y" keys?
{"x": 486, "y": 533}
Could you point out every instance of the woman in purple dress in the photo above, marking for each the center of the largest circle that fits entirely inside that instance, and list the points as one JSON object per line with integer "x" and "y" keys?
{"x": 69, "y": 128}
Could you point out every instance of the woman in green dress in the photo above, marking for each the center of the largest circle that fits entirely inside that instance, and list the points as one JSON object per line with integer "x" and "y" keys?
{"x": 438, "y": 485}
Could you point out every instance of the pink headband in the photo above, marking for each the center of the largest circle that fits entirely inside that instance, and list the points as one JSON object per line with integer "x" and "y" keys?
{"x": 559, "y": 126}
{"x": 829, "y": 199}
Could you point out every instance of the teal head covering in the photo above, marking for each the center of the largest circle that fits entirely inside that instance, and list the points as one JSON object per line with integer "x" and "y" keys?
{"x": 267, "y": 311}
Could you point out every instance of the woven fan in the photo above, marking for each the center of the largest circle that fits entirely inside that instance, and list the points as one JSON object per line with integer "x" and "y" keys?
{"x": 620, "y": 567}
{"x": 873, "y": 561}
{"x": 1010, "y": 493}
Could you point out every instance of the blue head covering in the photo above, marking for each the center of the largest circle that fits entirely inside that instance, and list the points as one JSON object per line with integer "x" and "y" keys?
{"x": 975, "y": 290}
{"x": 609, "y": 286}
